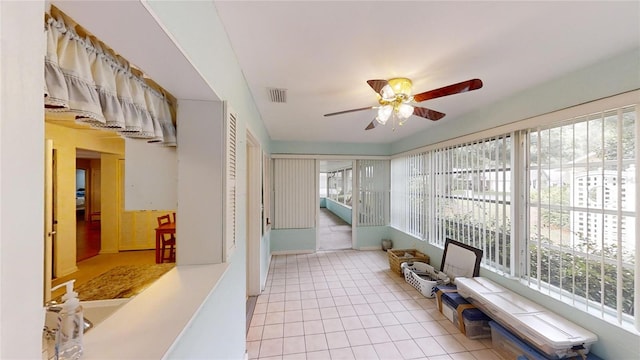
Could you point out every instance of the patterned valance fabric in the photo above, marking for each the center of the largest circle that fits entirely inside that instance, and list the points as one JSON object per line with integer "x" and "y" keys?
{"x": 100, "y": 88}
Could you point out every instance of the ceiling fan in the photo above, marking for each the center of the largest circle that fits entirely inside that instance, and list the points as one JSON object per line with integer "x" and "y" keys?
{"x": 395, "y": 99}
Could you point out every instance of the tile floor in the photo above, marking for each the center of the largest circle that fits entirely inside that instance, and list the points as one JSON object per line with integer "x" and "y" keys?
{"x": 335, "y": 233}
{"x": 349, "y": 305}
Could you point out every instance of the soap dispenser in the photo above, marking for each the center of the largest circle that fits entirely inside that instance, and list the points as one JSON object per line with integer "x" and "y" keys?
{"x": 70, "y": 325}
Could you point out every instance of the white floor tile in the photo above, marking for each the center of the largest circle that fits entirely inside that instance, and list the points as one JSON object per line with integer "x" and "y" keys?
{"x": 318, "y": 355}
{"x": 277, "y": 297}
{"x": 311, "y": 314}
{"x": 294, "y": 344}
{"x": 315, "y": 342}
{"x": 397, "y": 333}
{"x": 253, "y": 349}
{"x": 450, "y": 344}
{"x": 254, "y": 333}
{"x": 404, "y": 317}
{"x": 293, "y": 329}
{"x": 326, "y": 302}
{"x": 341, "y": 354}
{"x": 387, "y": 319}
{"x": 275, "y": 306}
{"x": 370, "y": 321}
{"x": 346, "y": 310}
{"x": 387, "y": 351}
{"x": 274, "y": 318}
{"x": 292, "y": 316}
{"x": 416, "y": 331}
{"x": 299, "y": 356}
{"x": 351, "y": 323}
{"x": 409, "y": 349}
{"x": 329, "y": 313}
{"x": 291, "y": 296}
{"x": 364, "y": 352}
{"x": 337, "y": 340}
{"x": 290, "y": 305}
{"x": 358, "y": 337}
{"x": 310, "y": 304}
{"x": 258, "y": 319}
{"x": 430, "y": 346}
{"x": 434, "y": 328}
{"x": 377, "y": 335}
{"x": 331, "y": 325}
{"x": 462, "y": 356}
{"x": 272, "y": 331}
{"x": 379, "y": 308}
{"x": 313, "y": 327}
{"x": 341, "y": 300}
{"x": 271, "y": 347}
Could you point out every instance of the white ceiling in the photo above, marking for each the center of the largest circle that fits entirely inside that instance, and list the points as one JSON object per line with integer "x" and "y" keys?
{"x": 323, "y": 52}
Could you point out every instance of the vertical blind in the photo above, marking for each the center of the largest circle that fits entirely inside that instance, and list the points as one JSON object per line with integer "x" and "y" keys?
{"x": 373, "y": 196}
{"x": 294, "y": 193}
{"x": 471, "y": 198}
{"x": 408, "y": 186}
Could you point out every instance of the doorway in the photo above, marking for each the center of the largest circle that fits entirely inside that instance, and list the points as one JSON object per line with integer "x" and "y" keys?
{"x": 336, "y": 200}
{"x": 87, "y": 199}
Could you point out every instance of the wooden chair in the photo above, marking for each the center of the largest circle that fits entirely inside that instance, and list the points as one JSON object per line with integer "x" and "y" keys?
{"x": 167, "y": 243}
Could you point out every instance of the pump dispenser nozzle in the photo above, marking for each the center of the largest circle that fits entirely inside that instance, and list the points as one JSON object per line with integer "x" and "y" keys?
{"x": 70, "y": 293}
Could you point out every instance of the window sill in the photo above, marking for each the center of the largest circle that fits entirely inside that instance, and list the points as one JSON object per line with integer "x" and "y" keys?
{"x": 149, "y": 324}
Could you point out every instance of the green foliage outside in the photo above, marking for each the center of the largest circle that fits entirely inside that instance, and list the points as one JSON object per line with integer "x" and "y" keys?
{"x": 574, "y": 272}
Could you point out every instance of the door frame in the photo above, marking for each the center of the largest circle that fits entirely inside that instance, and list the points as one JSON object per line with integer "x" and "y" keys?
{"x": 253, "y": 214}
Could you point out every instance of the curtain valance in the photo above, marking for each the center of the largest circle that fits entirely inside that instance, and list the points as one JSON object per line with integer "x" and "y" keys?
{"x": 86, "y": 78}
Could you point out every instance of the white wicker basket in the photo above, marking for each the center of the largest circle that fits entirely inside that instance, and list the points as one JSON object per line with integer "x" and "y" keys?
{"x": 423, "y": 277}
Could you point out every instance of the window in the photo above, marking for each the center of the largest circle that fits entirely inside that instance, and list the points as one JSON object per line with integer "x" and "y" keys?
{"x": 340, "y": 186}
{"x": 374, "y": 192}
{"x": 471, "y": 198}
{"x": 408, "y": 186}
{"x": 576, "y": 181}
{"x": 582, "y": 211}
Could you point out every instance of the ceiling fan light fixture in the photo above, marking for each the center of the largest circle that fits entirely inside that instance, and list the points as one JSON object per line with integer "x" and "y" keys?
{"x": 404, "y": 111}
{"x": 384, "y": 113}
{"x": 387, "y": 93}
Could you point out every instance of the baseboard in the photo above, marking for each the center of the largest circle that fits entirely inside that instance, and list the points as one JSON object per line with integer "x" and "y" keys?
{"x": 292, "y": 252}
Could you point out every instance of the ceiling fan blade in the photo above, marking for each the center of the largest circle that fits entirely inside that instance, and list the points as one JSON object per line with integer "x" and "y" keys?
{"x": 427, "y": 113}
{"x": 348, "y": 111}
{"x": 377, "y": 85}
{"x": 372, "y": 125}
{"x": 461, "y": 87}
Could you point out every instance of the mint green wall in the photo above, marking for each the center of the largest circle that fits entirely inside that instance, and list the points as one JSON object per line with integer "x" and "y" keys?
{"x": 293, "y": 240}
{"x": 323, "y": 202}
{"x": 339, "y": 210}
{"x": 368, "y": 237}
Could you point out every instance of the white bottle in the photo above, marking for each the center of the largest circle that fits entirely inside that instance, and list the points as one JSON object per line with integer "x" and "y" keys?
{"x": 70, "y": 325}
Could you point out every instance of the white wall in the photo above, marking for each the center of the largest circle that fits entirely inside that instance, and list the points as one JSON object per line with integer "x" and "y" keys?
{"x": 200, "y": 186}
{"x": 21, "y": 178}
{"x": 151, "y": 176}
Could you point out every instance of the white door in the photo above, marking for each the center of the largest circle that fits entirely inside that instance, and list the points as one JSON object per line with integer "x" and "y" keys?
{"x": 49, "y": 233}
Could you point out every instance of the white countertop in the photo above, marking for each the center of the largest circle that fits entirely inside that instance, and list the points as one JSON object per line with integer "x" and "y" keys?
{"x": 147, "y": 326}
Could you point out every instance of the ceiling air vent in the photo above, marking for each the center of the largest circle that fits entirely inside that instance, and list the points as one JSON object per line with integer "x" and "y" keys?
{"x": 277, "y": 95}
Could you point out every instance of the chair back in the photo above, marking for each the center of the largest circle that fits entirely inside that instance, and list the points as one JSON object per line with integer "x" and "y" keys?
{"x": 164, "y": 219}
